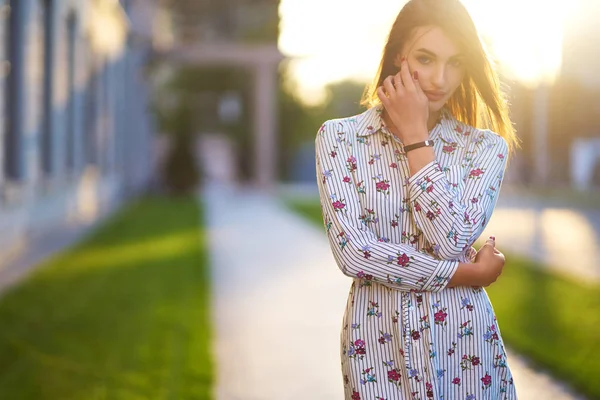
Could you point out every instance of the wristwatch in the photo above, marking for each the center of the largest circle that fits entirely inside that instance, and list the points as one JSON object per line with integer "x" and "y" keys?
{"x": 426, "y": 143}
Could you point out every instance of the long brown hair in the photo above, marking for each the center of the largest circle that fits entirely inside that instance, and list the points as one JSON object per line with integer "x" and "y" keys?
{"x": 479, "y": 101}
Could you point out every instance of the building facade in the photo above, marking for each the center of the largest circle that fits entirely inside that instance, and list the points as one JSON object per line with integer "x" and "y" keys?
{"x": 76, "y": 136}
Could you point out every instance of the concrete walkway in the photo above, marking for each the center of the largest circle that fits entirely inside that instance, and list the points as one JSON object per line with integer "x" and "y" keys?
{"x": 278, "y": 304}
{"x": 566, "y": 240}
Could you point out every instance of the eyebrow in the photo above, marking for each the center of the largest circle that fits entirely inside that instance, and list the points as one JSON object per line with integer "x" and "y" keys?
{"x": 431, "y": 53}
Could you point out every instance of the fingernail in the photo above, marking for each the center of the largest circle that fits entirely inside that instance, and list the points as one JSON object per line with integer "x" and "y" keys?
{"x": 493, "y": 237}
{"x": 416, "y": 75}
{"x": 403, "y": 59}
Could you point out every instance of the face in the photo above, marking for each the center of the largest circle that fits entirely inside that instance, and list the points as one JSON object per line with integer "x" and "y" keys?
{"x": 439, "y": 62}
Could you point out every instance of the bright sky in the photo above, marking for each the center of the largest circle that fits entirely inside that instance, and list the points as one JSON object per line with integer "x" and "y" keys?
{"x": 333, "y": 40}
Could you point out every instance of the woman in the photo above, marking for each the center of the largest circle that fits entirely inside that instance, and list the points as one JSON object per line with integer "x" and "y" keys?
{"x": 406, "y": 188}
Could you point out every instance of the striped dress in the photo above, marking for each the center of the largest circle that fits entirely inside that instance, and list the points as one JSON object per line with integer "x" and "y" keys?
{"x": 405, "y": 335}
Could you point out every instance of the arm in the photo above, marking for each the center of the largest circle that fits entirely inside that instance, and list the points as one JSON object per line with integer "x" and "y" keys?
{"x": 453, "y": 216}
{"x": 356, "y": 249}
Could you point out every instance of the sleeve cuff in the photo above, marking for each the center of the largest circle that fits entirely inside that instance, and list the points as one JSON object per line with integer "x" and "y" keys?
{"x": 443, "y": 273}
{"x": 424, "y": 179}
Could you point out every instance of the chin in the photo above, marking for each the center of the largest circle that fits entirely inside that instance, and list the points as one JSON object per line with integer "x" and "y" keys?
{"x": 435, "y": 106}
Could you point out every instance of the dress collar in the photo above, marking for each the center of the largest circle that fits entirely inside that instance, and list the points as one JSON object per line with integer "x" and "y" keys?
{"x": 448, "y": 129}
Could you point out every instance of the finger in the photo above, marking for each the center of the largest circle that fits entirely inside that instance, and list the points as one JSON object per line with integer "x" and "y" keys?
{"x": 417, "y": 83}
{"x": 491, "y": 240}
{"x": 398, "y": 81}
{"x": 407, "y": 77}
{"x": 388, "y": 85}
{"x": 382, "y": 96}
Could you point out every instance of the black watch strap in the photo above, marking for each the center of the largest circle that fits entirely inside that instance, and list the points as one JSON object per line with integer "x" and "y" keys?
{"x": 426, "y": 143}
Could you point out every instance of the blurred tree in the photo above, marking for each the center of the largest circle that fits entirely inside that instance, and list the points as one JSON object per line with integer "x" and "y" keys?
{"x": 300, "y": 122}
{"x": 180, "y": 170}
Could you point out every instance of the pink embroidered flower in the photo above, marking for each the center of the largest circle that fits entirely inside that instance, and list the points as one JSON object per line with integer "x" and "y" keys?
{"x": 440, "y": 316}
{"x": 456, "y": 381}
{"x": 360, "y": 275}
{"x": 338, "y": 205}
{"x": 429, "y": 189}
{"x": 347, "y": 179}
{"x": 448, "y": 149}
{"x": 359, "y": 343}
{"x": 476, "y": 172}
{"x": 417, "y": 207}
{"x": 393, "y": 165}
{"x": 382, "y": 185}
{"x": 416, "y": 335}
{"x": 501, "y": 156}
{"x": 475, "y": 360}
{"x": 430, "y": 215}
{"x": 355, "y": 395}
{"x": 486, "y": 380}
{"x": 333, "y": 154}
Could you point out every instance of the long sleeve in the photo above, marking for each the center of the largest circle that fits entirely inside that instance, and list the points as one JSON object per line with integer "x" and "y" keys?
{"x": 453, "y": 215}
{"x": 356, "y": 249}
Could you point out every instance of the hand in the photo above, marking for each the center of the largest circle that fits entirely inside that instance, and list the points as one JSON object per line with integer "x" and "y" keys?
{"x": 406, "y": 104}
{"x": 489, "y": 262}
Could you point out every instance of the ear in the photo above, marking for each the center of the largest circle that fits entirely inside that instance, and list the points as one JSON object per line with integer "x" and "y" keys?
{"x": 397, "y": 60}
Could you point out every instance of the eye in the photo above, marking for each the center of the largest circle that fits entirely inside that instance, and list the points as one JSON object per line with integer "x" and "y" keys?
{"x": 423, "y": 59}
{"x": 455, "y": 63}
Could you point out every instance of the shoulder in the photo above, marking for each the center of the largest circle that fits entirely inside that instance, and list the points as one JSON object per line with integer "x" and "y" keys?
{"x": 486, "y": 139}
{"x": 341, "y": 128}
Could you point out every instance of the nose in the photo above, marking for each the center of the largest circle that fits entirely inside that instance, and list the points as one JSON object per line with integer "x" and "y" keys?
{"x": 439, "y": 76}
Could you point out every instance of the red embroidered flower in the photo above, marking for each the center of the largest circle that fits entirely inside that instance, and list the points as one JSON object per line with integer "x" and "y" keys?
{"x": 393, "y": 375}
{"x": 429, "y": 189}
{"x": 416, "y": 335}
{"x": 476, "y": 172}
{"x": 393, "y": 165}
{"x": 333, "y": 154}
{"x": 475, "y": 360}
{"x": 430, "y": 215}
{"x": 456, "y": 381}
{"x": 347, "y": 179}
{"x": 403, "y": 260}
{"x": 382, "y": 185}
{"x": 355, "y": 395}
{"x": 440, "y": 316}
{"x": 448, "y": 149}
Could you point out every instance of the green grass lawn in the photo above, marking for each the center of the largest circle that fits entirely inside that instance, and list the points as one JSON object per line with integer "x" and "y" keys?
{"x": 552, "y": 320}
{"x": 123, "y": 315}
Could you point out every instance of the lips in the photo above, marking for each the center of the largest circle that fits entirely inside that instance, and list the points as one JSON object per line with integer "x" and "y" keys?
{"x": 435, "y": 95}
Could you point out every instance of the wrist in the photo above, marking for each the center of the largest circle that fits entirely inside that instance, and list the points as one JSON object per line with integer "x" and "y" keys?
{"x": 415, "y": 135}
{"x": 467, "y": 274}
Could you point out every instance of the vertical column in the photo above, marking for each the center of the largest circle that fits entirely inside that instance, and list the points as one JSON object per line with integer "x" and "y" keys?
{"x": 540, "y": 134}
{"x": 265, "y": 117}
